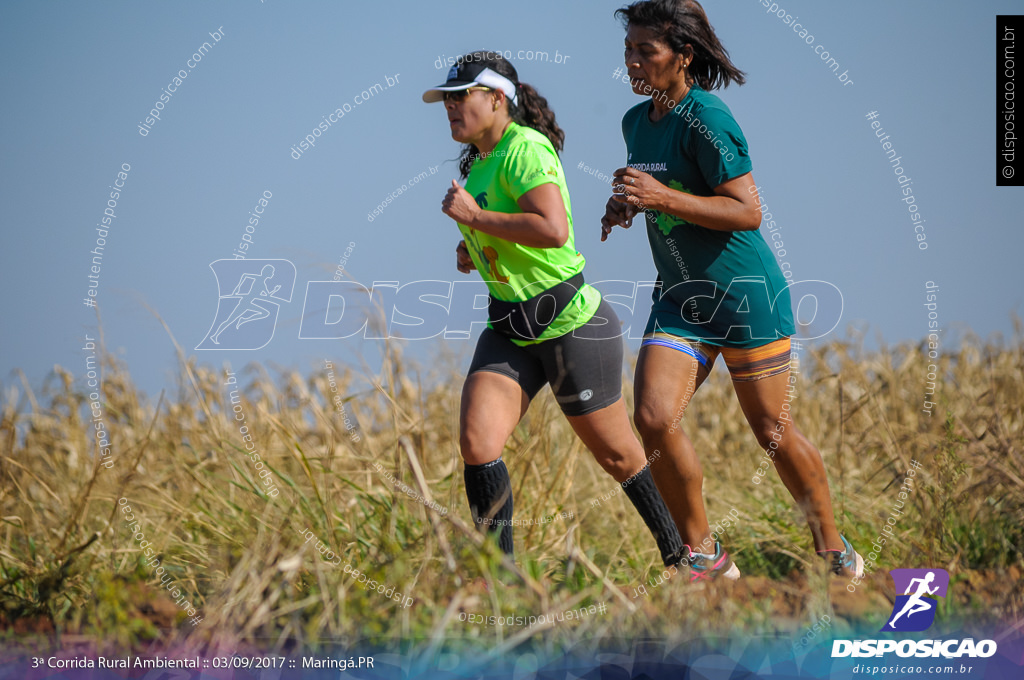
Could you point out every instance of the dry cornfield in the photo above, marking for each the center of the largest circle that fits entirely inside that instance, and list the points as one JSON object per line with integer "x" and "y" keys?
{"x": 389, "y": 565}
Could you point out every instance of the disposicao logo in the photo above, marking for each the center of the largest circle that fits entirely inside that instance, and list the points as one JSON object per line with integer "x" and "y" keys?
{"x": 914, "y": 611}
{"x": 250, "y": 294}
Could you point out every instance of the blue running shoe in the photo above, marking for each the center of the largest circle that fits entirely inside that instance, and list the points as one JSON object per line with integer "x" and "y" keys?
{"x": 845, "y": 563}
{"x": 711, "y": 568}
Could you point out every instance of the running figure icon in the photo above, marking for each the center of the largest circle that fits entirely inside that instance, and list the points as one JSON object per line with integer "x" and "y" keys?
{"x": 918, "y": 592}
{"x": 250, "y": 294}
{"x": 250, "y": 307}
{"x": 916, "y": 603}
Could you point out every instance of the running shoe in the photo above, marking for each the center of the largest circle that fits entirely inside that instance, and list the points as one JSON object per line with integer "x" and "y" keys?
{"x": 711, "y": 568}
{"x": 845, "y": 563}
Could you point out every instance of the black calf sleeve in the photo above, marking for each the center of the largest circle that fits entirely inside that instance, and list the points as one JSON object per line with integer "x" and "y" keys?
{"x": 489, "y": 491}
{"x": 648, "y": 502}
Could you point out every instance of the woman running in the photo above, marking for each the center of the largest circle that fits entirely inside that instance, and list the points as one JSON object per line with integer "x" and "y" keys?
{"x": 720, "y": 289}
{"x": 546, "y": 325}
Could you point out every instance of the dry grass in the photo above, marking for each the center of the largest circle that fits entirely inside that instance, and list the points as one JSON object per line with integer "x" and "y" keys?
{"x": 68, "y": 563}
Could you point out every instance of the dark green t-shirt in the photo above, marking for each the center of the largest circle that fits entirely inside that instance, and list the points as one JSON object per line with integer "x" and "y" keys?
{"x": 720, "y": 287}
{"x": 523, "y": 160}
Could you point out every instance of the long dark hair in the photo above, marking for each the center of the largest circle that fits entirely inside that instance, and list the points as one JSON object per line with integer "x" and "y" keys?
{"x": 680, "y": 23}
{"x": 531, "y": 110}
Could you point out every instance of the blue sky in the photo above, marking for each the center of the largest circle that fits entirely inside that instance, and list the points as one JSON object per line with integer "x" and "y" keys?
{"x": 81, "y": 77}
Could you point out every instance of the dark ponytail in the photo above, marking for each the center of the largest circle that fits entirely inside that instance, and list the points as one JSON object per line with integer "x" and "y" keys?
{"x": 680, "y": 23}
{"x": 531, "y": 110}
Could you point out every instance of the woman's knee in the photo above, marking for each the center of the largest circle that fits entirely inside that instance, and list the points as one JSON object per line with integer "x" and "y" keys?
{"x": 654, "y": 421}
{"x": 478, "y": 446}
{"x": 776, "y": 436}
{"x": 622, "y": 467}
{"x": 617, "y": 470}
{"x": 479, "y": 443}
{"x": 769, "y": 438}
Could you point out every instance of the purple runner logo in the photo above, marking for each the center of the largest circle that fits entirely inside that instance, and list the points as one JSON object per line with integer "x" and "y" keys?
{"x": 247, "y": 315}
{"x": 914, "y": 610}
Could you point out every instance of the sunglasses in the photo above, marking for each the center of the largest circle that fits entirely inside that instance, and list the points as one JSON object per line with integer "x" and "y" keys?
{"x": 460, "y": 95}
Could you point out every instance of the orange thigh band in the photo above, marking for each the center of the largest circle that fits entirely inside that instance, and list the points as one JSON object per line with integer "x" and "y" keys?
{"x": 745, "y": 364}
{"x": 757, "y": 363}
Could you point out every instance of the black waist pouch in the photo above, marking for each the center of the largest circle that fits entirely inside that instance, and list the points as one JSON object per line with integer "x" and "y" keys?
{"x": 528, "y": 319}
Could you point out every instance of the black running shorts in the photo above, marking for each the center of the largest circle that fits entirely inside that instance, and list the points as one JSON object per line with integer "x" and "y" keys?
{"x": 583, "y": 367}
